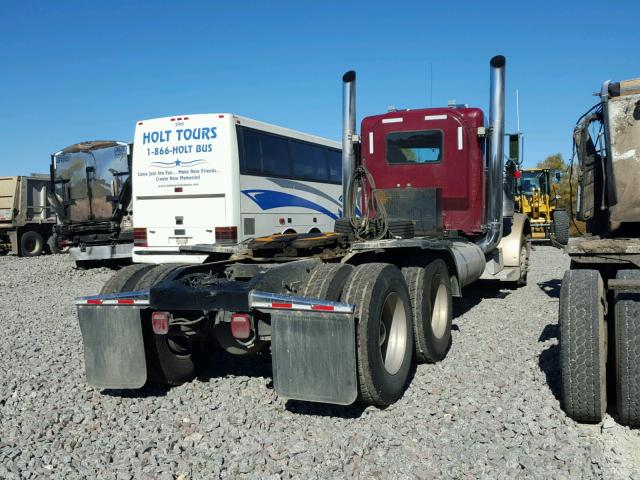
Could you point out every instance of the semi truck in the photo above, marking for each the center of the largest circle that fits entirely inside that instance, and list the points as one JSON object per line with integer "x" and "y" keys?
{"x": 599, "y": 313}
{"x": 26, "y": 217}
{"x": 91, "y": 193}
{"x": 344, "y": 313}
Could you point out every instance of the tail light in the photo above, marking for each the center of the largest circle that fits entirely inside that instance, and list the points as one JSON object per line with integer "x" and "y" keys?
{"x": 240, "y": 326}
{"x": 160, "y": 323}
{"x": 226, "y": 235}
{"x": 140, "y": 237}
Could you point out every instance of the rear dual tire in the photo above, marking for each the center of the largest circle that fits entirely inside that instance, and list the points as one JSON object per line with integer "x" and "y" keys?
{"x": 583, "y": 345}
{"x": 170, "y": 360}
{"x": 627, "y": 351}
{"x": 432, "y": 305}
{"x": 384, "y": 334}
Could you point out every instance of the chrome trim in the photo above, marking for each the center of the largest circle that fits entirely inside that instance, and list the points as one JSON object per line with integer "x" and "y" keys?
{"x": 495, "y": 152}
{"x": 264, "y": 300}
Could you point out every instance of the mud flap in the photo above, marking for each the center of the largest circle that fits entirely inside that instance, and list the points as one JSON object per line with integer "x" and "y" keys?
{"x": 113, "y": 346}
{"x": 314, "y": 356}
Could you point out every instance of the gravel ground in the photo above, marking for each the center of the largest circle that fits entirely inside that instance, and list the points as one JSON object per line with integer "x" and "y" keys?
{"x": 489, "y": 410}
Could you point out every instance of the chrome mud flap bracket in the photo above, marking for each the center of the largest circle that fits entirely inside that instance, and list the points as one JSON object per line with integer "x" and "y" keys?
{"x": 313, "y": 351}
{"x": 111, "y": 329}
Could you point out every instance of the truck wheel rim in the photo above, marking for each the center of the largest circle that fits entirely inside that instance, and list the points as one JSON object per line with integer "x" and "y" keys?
{"x": 440, "y": 314}
{"x": 393, "y": 333}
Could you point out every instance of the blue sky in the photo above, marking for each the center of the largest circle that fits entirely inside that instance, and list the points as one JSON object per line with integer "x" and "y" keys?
{"x": 78, "y": 70}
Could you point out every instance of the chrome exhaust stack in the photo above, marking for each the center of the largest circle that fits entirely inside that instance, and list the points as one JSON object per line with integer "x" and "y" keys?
{"x": 348, "y": 131}
{"x": 495, "y": 155}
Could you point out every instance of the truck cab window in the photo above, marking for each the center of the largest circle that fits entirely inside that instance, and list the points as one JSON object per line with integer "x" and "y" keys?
{"x": 414, "y": 147}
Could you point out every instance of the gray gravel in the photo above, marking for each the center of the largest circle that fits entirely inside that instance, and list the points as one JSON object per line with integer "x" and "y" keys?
{"x": 489, "y": 410}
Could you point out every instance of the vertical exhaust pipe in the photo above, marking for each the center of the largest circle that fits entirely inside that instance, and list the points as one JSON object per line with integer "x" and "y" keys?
{"x": 348, "y": 130}
{"x": 495, "y": 155}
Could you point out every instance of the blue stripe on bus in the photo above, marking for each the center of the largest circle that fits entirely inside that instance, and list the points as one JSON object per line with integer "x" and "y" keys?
{"x": 270, "y": 199}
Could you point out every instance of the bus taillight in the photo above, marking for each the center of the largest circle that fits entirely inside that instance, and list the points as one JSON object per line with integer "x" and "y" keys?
{"x": 226, "y": 235}
{"x": 140, "y": 237}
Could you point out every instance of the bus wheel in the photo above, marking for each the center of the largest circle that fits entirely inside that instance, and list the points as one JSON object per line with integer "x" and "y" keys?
{"x": 583, "y": 345}
{"x": 627, "y": 351}
{"x": 171, "y": 360}
{"x": 327, "y": 281}
{"x": 430, "y": 293}
{"x": 384, "y": 337}
{"x": 31, "y": 244}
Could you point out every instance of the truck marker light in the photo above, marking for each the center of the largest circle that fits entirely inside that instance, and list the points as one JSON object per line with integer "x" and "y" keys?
{"x": 220, "y": 116}
{"x": 140, "y": 123}
{"x": 323, "y": 308}
{"x": 240, "y": 326}
{"x": 281, "y": 305}
{"x": 371, "y": 142}
{"x": 435, "y": 117}
{"x": 281, "y": 221}
{"x": 185, "y": 118}
{"x": 160, "y": 323}
{"x": 393, "y": 120}
{"x": 178, "y": 189}
{"x": 459, "y": 138}
{"x": 94, "y": 301}
{"x": 173, "y": 119}
{"x": 126, "y": 301}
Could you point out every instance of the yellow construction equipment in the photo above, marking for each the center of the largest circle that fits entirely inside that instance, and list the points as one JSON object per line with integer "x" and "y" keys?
{"x": 537, "y": 198}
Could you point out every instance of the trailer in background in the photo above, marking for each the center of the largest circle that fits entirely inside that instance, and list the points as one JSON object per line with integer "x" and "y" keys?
{"x": 26, "y": 217}
{"x": 91, "y": 192}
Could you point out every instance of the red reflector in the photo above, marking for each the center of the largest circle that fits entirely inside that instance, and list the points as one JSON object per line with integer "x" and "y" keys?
{"x": 125, "y": 301}
{"x": 240, "y": 326}
{"x": 281, "y": 221}
{"x": 186, "y": 118}
{"x": 227, "y": 235}
{"x": 139, "y": 123}
{"x": 281, "y": 305}
{"x": 220, "y": 116}
{"x": 160, "y": 323}
{"x": 324, "y": 308}
{"x": 173, "y": 119}
{"x": 140, "y": 237}
{"x": 178, "y": 189}
{"x": 94, "y": 302}
{"x": 179, "y": 118}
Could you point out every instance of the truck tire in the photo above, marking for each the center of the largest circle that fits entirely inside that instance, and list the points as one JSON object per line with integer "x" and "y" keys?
{"x": 327, "y": 281}
{"x": 31, "y": 244}
{"x": 583, "y": 345}
{"x": 523, "y": 262}
{"x": 384, "y": 334}
{"x": 561, "y": 226}
{"x": 627, "y": 351}
{"x": 432, "y": 305}
{"x": 125, "y": 279}
{"x": 170, "y": 361}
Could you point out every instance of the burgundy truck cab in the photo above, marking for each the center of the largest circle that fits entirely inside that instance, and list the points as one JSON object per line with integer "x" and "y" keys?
{"x": 430, "y": 150}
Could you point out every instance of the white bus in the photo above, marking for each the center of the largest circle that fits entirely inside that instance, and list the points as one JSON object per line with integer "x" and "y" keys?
{"x": 222, "y": 179}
